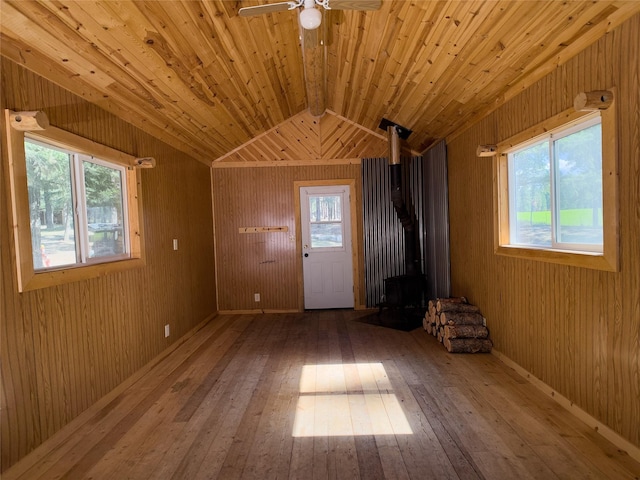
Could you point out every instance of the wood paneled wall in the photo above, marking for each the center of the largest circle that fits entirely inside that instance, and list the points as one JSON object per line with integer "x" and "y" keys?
{"x": 306, "y": 138}
{"x": 265, "y": 263}
{"x": 63, "y": 348}
{"x": 575, "y": 329}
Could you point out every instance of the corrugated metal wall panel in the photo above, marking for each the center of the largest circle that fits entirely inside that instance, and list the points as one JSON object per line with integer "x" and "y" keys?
{"x": 438, "y": 261}
{"x": 383, "y": 233}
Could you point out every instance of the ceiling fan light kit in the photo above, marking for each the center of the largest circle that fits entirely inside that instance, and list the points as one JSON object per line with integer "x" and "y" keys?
{"x": 310, "y": 17}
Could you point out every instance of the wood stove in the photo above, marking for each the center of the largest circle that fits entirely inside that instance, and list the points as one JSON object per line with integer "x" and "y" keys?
{"x": 404, "y": 291}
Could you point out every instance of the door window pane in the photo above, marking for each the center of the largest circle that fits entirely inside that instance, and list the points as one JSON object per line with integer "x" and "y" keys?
{"x": 325, "y": 208}
{"x": 326, "y": 235}
{"x": 53, "y": 238}
{"x": 325, "y": 214}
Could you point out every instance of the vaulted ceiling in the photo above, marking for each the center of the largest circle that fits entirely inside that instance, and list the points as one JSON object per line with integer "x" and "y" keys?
{"x": 197, "y": 75}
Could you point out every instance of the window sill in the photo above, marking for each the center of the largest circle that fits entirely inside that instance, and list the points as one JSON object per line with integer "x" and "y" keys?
{"x": 53, "y": 278}
{"x": 594, "y": 261}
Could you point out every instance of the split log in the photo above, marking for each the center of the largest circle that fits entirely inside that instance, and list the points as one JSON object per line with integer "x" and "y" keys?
{"x": 431, "y": 312}
{"x": 432, "y": 307}
{"x": 468, "y": 345}
{"x": 426, "y": 322}
{"x": 449, "y": 301}
{"x": 457, "y": 307}
{"x": 461, "y": 318}
{"x": 465, "y": 331}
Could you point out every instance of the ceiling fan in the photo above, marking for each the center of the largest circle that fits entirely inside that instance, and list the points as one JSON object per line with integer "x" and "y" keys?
{"x": 312, "y": 42}
{"x": 310, "y": 16}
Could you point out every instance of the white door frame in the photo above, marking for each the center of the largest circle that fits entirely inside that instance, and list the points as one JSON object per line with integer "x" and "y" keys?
{"x": 355, "y": 239}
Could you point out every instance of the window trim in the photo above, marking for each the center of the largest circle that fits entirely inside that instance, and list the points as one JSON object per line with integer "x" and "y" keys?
{"x": 28, "y": 278}
{"x": 608, "y": 260}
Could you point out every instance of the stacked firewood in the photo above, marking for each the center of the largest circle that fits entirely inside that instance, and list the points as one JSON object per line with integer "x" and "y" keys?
{"x": 458, "y": 325}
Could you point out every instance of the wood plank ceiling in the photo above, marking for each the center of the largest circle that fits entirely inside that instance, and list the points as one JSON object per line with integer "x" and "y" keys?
{"x": 195, "y": 74}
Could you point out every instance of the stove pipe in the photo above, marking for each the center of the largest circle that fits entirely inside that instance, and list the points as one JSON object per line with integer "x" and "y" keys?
{"x": 406, "y": 219}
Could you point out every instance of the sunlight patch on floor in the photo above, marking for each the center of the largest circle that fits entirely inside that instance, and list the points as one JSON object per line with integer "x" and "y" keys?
{"x": 348, "y": 400}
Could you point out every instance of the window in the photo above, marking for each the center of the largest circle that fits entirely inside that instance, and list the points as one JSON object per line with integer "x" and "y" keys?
{"x": 556, "y": 188}
{"x": 75, "y": 206}
{"x": 325, "y": 221}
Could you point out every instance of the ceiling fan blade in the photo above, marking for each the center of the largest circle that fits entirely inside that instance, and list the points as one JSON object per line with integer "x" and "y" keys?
{"x": 268, "y": 8}
{"x": 355, "y": 4}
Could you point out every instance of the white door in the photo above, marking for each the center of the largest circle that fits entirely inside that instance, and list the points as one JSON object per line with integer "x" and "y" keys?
{"x": 326, "y": 247}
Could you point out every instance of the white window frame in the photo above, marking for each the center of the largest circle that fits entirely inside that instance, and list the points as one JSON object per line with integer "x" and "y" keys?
{"x": 82, "y": 212}
{"x": 608, "y": 258}
{"x": 31, "y": 279}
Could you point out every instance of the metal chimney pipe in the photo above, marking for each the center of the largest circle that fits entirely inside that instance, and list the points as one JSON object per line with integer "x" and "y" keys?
{"x": 406, "y": 219}
{"x": 394, "y": 145}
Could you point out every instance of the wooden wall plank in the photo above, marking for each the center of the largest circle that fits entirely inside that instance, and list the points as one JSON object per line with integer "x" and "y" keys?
{"x": 575, "y": 329}
{"x": 265, "y": 263}
{"x": 305, "y": 138}
{"x": 65, "y": 347}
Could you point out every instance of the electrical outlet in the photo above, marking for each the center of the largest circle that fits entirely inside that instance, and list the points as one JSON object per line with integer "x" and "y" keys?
{"x": 175, "y": 243}
{"x": 166, "y": 330}
{"x": 256, "y": 297}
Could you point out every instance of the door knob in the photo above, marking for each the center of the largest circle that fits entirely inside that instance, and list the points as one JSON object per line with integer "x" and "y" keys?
{"x": 306, "y": 254}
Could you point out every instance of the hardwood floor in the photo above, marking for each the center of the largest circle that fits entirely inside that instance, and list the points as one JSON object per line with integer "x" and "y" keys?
{"x": 325, "y": 395}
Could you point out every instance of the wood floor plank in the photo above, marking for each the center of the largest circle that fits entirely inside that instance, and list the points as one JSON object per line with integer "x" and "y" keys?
{"x": 236, "y": 456}
{"x": 504, "y": 440}
{"x": 375, "y": 377}
{"x": 326, "y": 395}
{"x": 226, "y": 406}
{"x": 121, "y": 415}
{"x": 140, "y": 450}
{"x": 213, "y": 459}
{"x": 273, "y": 439}
{"x": 460, "y": 458}
{"x": 421, "y": 451}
